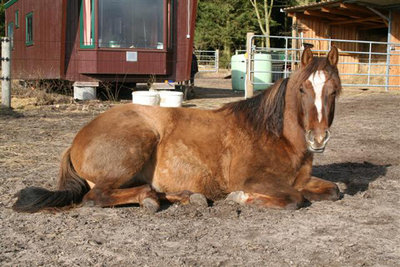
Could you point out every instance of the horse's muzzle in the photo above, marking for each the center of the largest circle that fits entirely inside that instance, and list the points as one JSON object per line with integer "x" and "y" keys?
{"x": 317, "y": 143}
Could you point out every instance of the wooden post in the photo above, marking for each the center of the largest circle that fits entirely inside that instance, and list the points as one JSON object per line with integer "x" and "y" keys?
{"x": 6, "y": 72}
{"x": 249, "y": 89}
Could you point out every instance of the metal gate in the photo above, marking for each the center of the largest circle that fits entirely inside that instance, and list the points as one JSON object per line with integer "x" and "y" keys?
{"x": 363, "y": 64}
{"x": 208, "y": 60}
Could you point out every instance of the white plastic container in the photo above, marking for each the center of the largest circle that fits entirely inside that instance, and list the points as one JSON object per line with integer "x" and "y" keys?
{"x": 171, "y": 99}
{"x": 84, "y": 92}
{"x": 145, "y": 98}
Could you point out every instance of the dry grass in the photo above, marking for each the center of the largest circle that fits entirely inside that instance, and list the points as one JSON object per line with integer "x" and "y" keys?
{"x": 39, "y": 93}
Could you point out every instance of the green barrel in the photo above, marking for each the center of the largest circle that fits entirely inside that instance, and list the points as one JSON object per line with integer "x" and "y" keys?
{"x": 262, "y": 74}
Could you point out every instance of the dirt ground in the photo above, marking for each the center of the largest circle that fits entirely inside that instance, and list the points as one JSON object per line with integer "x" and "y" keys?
{"x": 361, "y": 229}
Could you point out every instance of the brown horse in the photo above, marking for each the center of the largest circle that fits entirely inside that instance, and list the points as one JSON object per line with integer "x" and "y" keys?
{"x": 257, "y": 151}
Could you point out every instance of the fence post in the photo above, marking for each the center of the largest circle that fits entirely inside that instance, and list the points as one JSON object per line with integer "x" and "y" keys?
{"x": 216, "y": 60}
{"x": 388, "y": 51}
{"x": 248, "y": 88}
{"x": 6, "y": 72}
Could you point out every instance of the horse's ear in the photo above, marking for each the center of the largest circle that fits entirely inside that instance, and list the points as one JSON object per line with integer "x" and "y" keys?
{"x": 306, "y": 57}
{"x": 333, "y": 56}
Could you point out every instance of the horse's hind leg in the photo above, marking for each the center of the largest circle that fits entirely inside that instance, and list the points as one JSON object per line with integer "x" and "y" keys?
{"x": 143, "y": 195}
{"x": 268, "y": 195}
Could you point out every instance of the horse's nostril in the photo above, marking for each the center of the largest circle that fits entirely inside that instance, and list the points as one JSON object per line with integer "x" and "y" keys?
{"x": 321, "y": 138}
{"x": 309, "y": 135}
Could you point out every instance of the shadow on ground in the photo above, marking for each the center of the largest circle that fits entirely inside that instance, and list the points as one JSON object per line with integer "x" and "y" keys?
{"x": 204, "y": 93}
{"x": 356, "y": 176}
{"x": 9, "y": 112}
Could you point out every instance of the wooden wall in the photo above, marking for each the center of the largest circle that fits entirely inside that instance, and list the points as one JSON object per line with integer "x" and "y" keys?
{"x": 56, "y": 53}
{"x": 314, "y": 28}
{"x": 395, "y": 57}
{"x": 44, "y": 58}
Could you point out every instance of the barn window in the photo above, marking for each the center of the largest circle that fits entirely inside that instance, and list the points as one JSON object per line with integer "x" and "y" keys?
{"x": 29, "y": 29}
{"x": 132, "y": 24}
{"x": 17, "y": 19}
{"x": 10, "y": 32}
{"x": 87, "y": 24}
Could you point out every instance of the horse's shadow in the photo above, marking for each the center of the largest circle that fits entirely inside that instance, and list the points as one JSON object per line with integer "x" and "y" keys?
{"x": 356, "y": 176}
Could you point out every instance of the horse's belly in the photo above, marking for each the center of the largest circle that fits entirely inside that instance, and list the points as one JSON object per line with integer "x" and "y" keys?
{"x": 181, "y": 169}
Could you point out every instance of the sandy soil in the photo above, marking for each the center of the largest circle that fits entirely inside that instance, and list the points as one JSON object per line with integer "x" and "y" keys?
{"x": 361, "y": 229}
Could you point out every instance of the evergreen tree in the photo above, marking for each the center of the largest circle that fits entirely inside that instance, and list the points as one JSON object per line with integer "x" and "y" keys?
{"x": 2, "y": 19}
{"x": 223, "y": 25}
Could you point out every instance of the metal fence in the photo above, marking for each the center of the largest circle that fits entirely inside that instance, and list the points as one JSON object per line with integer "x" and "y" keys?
{"x": 364, "y": 64}
{"x": 208, "y": 60}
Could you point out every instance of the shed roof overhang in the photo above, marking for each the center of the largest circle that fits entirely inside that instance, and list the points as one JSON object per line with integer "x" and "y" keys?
{"x": 365, "y": 14}
{"x": 9, "y": 3}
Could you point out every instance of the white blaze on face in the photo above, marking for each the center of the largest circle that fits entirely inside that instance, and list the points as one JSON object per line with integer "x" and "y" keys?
{"x": 317, "y": 80}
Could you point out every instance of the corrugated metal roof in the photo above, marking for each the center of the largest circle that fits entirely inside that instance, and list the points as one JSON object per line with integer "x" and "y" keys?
{"x": 311, "y": 5}
{"x": 378, "y": 3}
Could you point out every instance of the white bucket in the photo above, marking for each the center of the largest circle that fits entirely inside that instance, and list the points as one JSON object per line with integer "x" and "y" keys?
{"x": 145, "y": 98}
{"x": 171, "y": 99}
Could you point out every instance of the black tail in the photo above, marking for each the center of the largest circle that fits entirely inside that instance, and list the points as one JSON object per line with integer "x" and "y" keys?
{"x": 72, "y": 188}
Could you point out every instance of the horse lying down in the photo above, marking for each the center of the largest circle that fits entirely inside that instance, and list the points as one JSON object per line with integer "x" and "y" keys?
{"x": 257, "y": 151}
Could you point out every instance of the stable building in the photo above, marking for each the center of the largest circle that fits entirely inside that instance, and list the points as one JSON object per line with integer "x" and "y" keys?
{"x": 370, "y": 20}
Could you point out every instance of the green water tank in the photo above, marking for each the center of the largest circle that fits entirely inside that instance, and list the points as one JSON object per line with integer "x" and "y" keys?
{"x": 262, "y": 78}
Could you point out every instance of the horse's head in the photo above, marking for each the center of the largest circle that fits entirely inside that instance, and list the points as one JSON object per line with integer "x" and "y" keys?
{"x": 320, "y": 85}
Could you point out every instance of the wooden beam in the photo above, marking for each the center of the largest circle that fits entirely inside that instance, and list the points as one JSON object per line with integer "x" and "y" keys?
{"x": 356, "y": 20}
{"x": 320, "y": 14}
{"x": 340, "y": 12}
{"x": 356, "y": 8}
{"x": 376, "y": 26}
{"x": 303, "y": 16}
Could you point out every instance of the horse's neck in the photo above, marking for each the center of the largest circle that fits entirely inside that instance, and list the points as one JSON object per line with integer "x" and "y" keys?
{"x": 292, "y": 129}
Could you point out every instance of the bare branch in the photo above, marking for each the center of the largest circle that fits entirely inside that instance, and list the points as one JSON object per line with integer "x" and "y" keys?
{"x": 259, "y": 20}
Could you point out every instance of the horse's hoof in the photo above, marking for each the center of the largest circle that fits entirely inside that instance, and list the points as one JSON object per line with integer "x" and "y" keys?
{"x": 89, "y": 203}
{"x": 150, "y": 205}
{"x": 198, "y": 199}
{"x": 238, "y": 197}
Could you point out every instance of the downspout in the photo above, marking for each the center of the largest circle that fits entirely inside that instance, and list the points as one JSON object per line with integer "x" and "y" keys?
{"x": 63, "y": 39}
{"x": 191, "y": 20}
{"x": 188, "y": 19}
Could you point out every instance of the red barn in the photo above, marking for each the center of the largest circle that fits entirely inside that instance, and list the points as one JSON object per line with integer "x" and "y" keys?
{"x": 101, "y": 40}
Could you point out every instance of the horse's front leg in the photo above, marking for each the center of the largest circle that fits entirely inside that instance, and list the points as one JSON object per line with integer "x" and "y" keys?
{"x": 316, "y": 189}
{"x": 268, "y": 194}
{"x": 313, "y": 188}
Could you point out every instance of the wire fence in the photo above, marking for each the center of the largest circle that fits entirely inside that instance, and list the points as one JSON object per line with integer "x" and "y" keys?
{"x": 366, "y": 64}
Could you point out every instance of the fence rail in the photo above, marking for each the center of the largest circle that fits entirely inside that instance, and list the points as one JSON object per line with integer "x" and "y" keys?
{"x": 361, "y": 63}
